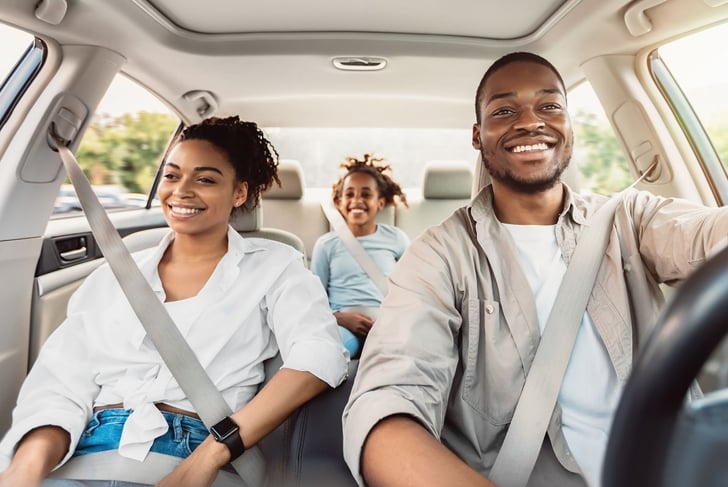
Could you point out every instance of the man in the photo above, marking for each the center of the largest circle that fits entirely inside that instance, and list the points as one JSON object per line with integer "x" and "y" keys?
{"x": 445, "y": 364}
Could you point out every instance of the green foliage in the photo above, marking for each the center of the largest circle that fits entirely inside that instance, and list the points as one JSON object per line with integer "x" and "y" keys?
{"x": 600, "y": 160}
{"x": 125, "y": 150}
{"x": 717, "y": 128}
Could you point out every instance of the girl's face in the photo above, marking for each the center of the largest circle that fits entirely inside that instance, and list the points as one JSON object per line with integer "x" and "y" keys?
{"x": 360, "y": 200}
{"x": 198, "y": 189}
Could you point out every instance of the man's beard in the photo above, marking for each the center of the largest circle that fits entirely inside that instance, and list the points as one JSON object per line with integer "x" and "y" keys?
{"x": 505, "y": 177}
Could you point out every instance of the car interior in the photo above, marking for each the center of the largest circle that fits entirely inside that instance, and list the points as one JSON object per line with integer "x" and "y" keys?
{"x": 326, "y": 80}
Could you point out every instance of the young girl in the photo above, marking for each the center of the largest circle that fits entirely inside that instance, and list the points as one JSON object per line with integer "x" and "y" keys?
{"x": 99, "y": 383}
{"x": 360, "y": 193}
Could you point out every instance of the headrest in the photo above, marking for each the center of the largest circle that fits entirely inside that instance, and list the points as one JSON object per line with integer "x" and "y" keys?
{"x": 291, "y": 175}
{"x": 482, "y": 176}
{"x": 447, "y": 180}
{"x": 248, "y": 220}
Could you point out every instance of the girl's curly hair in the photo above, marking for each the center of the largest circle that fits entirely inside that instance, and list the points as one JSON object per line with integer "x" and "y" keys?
{"x": 251, "y": 154}
{"x": 388, "y": 188}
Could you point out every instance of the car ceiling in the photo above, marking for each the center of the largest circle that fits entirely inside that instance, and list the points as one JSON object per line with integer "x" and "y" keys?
{"x": 272, "y": 61}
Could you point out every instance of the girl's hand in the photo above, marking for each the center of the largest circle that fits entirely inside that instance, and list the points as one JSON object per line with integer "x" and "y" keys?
{"x": 356, "y": 323}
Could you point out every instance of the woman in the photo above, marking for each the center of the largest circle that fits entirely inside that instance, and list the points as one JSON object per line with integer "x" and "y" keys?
{"x": 99, "y": 384}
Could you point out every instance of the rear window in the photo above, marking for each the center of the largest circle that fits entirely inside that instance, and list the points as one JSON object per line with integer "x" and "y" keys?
{"x": 321, "y": 150}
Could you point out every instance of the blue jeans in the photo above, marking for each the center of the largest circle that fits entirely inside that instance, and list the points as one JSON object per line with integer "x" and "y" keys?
{"x": 104, "y": 431}
{"x": 351, "y": 342}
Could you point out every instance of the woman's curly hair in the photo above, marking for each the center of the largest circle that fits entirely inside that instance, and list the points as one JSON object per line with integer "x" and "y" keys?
{"x": 251, "y": 154}
{"x": 388, "y": 188}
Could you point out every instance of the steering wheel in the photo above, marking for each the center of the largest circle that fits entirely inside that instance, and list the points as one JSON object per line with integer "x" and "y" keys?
{"x": 657, "y": 438}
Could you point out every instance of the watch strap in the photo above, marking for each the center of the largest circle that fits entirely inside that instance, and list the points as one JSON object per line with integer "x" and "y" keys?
{"x": 228, "y": 432}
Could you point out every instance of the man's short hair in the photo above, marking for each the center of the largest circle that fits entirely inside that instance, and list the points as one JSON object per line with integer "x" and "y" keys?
{"x": 513, "y": 57}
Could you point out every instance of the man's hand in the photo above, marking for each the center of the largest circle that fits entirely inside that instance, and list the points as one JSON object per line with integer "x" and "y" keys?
{"x": 200, "y": 468}
{"x": 356, "y": 323}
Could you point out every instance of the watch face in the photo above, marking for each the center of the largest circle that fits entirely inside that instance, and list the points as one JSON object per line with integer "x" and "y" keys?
{"x": 224, "y": 429}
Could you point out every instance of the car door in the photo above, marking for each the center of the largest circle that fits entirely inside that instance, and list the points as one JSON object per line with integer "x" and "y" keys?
{"x": 45, "y": 256}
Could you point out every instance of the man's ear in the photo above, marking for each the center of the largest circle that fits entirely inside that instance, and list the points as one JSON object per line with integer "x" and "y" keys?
{"x": 476, "y": 136}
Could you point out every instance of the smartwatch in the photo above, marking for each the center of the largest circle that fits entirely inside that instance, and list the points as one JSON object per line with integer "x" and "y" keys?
{"x": 228, "y": 432}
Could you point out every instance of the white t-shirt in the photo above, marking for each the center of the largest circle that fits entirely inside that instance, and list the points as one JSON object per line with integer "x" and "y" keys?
{"x": 590, "y": 391}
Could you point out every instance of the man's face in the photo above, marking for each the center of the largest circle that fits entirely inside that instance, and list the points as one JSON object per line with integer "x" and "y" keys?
{"x": 524, "y": 135}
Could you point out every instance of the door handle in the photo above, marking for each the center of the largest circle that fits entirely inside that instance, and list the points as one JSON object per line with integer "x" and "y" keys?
{"x": 76, "y": 254}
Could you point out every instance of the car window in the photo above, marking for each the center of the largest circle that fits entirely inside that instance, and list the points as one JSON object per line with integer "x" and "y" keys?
{"x": 121, "y": 149}
{"x": 20, "y": 60}
{"x": 321, "y": 150}
{"x": 598, "y": 156}
{"x": 695, "y": 83}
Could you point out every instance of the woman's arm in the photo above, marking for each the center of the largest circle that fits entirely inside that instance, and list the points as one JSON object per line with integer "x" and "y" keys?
{"x": 399, "y": 452}
{"x": 286, "y": 391}
{"x": 37, "y": 454}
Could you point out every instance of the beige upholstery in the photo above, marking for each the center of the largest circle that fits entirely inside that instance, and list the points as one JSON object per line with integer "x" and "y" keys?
{"x": 248, "y": 224}
{"x": 447, "y": 186}
{"x": 481, "y": 178}
{"x": 291, "y": 175}
{"x": 292, "y": 209}
{"x": 447, "y": 180}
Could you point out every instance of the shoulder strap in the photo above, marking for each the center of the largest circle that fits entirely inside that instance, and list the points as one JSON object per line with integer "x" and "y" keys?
{"x": 355, "y": 248}
{"x": 174, "y": 349}
{"x": 517, "y": 456}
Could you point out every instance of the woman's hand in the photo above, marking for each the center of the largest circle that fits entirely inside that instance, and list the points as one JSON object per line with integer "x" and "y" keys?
{"x": 287, "y": 390}
{"x": 356, "y": 323}
{"x": 200, "y": 468}
{"x": 37, "y": 454}
{"x": 13, "y": 477}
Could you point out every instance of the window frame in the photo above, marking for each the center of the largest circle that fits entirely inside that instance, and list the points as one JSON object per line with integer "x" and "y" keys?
{"x": 20, "y": 78}
{"x": 691, "y": 126}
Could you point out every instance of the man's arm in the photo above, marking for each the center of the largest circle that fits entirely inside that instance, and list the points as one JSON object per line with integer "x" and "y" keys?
{"x": 400, "y": 452}
{"x": 407, "y": 370}
{"x": 676, "y": 236}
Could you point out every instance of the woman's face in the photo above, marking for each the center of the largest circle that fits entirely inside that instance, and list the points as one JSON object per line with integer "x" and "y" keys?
{"x": 198, "y": 189}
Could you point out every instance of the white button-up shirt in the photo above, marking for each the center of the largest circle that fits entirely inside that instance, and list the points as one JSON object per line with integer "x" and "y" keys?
{"x": 260, "y": 299}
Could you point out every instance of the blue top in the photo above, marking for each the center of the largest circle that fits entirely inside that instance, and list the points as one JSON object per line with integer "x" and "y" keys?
{"x": 346, "y": 283}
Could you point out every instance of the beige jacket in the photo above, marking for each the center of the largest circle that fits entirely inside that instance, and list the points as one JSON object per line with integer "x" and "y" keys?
{"x": 458, "y": 330}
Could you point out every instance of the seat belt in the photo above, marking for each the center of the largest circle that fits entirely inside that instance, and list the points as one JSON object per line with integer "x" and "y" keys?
{"x": 525, "y": 435}
{"x": 355, "y": 248}
{"x": 171, "y": 345}
{"x": 518, "y": 454}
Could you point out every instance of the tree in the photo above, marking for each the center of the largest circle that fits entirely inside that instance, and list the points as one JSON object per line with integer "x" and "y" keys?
{"x": 717, "y": 128}
{"x": 125, "y": 150}
{"x": 600, "y": 158}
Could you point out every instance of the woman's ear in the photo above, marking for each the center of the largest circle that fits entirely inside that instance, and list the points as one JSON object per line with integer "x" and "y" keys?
{"x": 240, "y": 194}
{"x": 381, "y": 203}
